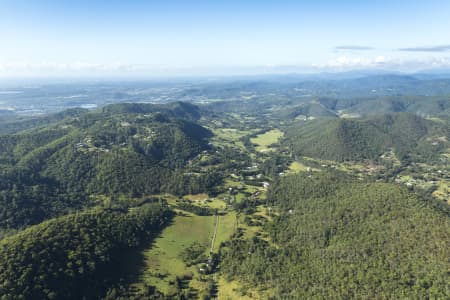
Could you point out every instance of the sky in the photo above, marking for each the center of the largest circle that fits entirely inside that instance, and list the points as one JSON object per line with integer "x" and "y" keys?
{"x": 171, "y": 38}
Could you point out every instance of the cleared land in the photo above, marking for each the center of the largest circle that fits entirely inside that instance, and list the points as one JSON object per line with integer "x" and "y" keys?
{"x": 230, "y": 290}
{"x": 163, "y": 262}
{"x": 297, "y": 167}
{"x": 443, "y": 191}
{"x": 267, "y": 139}
{"x": 225, "y": 228}
{"x": 230, "y": 136}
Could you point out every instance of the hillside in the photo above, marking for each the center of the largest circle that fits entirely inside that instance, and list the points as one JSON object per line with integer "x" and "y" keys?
{"x": 182, "y": 110}
{"x": 305, "y": 110}
{"x": 425, "y": 106}
{"x": 76, "y": 256}
{"x": 340, "y": 238}
{"x": 258, "y": 213}
{"x": 410, "y": 136}
{"x": 122, "y": 149}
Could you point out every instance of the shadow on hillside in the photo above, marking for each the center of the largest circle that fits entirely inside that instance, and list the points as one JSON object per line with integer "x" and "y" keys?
{"x": 127, "y": 267}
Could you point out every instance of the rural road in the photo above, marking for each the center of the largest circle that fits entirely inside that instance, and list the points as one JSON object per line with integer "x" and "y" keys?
{"x": 212, "y": 249}
{"x": 215, "y": 233}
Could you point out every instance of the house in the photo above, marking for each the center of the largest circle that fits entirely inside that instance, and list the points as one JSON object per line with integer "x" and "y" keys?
{"x": 81, "y": 145}
{"x": 256, "y": 194}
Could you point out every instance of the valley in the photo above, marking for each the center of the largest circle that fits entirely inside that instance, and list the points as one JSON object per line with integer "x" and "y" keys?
{"x": 255, "y": 197}
{"x": 224, "y": 150}
{"x": 244, "y": 213}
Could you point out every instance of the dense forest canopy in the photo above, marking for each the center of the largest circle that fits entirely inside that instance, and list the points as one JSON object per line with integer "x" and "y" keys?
{"x": 411, "y": 137}
{"x": 125, "y": 148}
{"x": 75, "y": 256}
{"x": 340, "y": 238}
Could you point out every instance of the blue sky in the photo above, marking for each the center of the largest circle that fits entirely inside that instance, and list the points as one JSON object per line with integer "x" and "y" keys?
{"x": 46, "y": 38}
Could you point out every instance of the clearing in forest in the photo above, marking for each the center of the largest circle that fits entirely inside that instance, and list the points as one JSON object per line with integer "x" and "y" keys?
{"x": 264, "y": 141}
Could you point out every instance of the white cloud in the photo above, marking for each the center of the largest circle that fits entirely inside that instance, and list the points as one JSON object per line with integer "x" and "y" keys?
{"x": 384, "y": 62}
{"x": 380, "y": 59}
{"x": 353, "y": 48}
{"x": 340, "y": 63}
{"x": 354, "y": 62}
{"x": 437, "y": 48}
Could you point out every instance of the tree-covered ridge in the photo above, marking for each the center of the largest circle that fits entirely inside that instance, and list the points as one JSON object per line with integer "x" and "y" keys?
{"x": 410, "y": 136}
{"x": 338, "y": 238}
{"x": 104, "y": 130}
{"x": 74, "y": 256}
{"x": 182, "y": 110}
{"x": 305, "y": 110}
{"x": 126, "y": 148}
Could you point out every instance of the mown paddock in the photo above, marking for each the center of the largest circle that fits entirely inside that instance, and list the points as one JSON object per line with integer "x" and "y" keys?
{"x": 162, "y": 260}
{"x": 267, "y": 139}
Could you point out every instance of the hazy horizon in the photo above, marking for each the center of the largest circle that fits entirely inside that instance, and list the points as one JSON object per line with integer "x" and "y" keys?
{"x": 178, "y": 39}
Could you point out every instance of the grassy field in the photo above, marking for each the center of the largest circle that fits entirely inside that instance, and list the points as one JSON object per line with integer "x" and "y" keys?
{"x": 239, "y": 197}
{"x": 348, "y": 167}
{"x": 251, "y": 231}
{"x": 216, "y": 203}
{"x": 443, "y": 191}
{"x": 435, "y": 119}
{"x": 197, "y": 197}
{"x": 204, "y": 201}
{"x": 298, "y": 167}
{"x": 226, "y": 227}
{"x": 229, "y": 136}
{"x": 201, "y": 200}
{"x": 229, "y": 290}
{"x": 244, "y": 190}
{"x": 265, "y": 140}
{"x": 163, "y": 257}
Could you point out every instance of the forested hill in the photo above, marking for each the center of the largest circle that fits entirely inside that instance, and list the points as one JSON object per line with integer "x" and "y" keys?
{"x": 410, "y": 136}
{"x": 123, "y": 148}
{"x": 76, "y": 256}
{"x": 182, "y": 110}
{"x": 342, "y": 238}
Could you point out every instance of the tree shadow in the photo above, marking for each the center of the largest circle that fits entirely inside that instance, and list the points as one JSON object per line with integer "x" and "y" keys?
{"x": 129, "y": 265}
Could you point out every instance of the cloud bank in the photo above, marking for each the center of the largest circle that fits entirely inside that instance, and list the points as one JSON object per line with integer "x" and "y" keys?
{"x": 438, "y": 48}
{"x": 339, "y": 63}
{"x": 386, "y": 63}
{"x": 353, "y": 48}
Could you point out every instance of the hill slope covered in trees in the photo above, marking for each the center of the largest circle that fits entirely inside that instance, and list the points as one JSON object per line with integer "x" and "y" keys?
{"x": 75, "y": 256}
{"x": 410, "y": 136}
{"x": 340, "y": 238}
{"x": 122, "y": 149}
